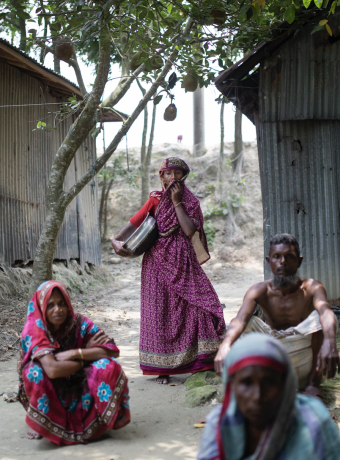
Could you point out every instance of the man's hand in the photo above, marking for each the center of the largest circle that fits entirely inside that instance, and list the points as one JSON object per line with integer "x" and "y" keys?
{"x": 328, "y": 359}
{"x": 176, "y": 193}
{"x": 219, "y": 358}
{"x": 119, "y": 250}
{"x": 100, "y": 338}
{"x": 68, "y": 355}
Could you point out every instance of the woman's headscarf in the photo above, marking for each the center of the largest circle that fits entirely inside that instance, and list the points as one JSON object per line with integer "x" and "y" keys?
{"x": 251, "y": 350}
{"x": 171, "y": 163}
{"x": 36, "y": 338}
{"x": 166, "y": 215}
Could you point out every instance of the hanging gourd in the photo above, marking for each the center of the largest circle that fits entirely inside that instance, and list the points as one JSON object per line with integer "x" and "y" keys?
{"x": 170, "y": 113}
{"x": 64, "y": 49}
{"x": 218, "y": 16}
{"x": 135, "y": 58}
{"x": 189, "y": 83}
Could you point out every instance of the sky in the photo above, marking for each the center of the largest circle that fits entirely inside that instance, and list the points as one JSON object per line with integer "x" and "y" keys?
{"x": 165, "y": 131}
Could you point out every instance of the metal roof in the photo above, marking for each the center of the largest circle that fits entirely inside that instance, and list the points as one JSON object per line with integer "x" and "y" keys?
{"x": 26, "y": 63}
{"x": 240, "y": 83}
{"x": 17, "y": 58}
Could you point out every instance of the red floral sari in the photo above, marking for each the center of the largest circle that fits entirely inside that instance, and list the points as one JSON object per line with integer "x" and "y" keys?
{"x": 77, "y": 408}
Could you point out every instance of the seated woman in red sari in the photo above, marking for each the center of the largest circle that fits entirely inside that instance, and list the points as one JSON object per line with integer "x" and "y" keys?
{"x": 182, "y": 321}
{"x": 71, "y": 385}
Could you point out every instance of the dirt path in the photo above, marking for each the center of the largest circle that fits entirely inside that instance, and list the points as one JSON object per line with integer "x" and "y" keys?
{"x": 162, "y": 427}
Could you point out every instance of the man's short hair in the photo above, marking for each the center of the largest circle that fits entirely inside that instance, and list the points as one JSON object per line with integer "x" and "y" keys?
{"x": 285, "y": 238}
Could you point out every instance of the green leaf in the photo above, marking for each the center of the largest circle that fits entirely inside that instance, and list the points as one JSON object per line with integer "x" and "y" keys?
{"x": 172, "y": 80}
{"x": 289, "y": 15}
{"x": 143, "y": 14}
{"x": 23, "y": 15}
{"x": 306, "y": 3}
{"x": 148, "y": 64}
{"x": 333, "y": 7}
{"x": 245, "y": 8}
{"x": 318, "y": 3}
{"x": 316, "y": 29}
{"x": 158, "y": 99}
{"x": 39, "y": 124}
{"x": 169, "y": 7}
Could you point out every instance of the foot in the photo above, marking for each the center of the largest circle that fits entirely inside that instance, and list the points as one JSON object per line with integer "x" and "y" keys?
{"x": 163, "y": 379}
{"x": 31, "y": 434}
{"x": 314, "y": 391}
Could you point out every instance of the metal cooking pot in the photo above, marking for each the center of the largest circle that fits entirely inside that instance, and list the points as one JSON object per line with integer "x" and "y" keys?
{"x": 143, "y": 238}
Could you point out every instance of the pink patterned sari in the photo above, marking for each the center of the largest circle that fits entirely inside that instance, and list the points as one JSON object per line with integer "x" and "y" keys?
{"x": 74, "y": 409}
{"x": 182, "y": 322}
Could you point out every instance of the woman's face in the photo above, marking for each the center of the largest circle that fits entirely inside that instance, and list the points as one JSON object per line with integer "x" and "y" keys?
{"x": 57, "y": 310}
{"x": 172, "y": 174}
{"x": 258, "y": 391}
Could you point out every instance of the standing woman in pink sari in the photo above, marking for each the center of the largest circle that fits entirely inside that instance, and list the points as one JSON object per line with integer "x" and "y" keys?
{"x": 182, "y": 321}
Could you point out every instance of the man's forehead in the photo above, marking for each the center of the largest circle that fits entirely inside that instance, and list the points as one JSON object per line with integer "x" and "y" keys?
{"x": 282, "y": 247}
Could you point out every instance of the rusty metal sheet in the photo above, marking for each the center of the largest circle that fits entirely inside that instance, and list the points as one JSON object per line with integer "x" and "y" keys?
{"x": 25, "y": 160}
{"x": 299, "y": 164}
{"x": 299, "y": 81}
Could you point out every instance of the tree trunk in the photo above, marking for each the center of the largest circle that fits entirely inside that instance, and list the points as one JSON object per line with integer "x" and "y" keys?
{"x": 107, "y": 195}
{"x": 199, "y": 127}
{"x": 43, "y": 50}
{"x": 144, "y": 169}
{"x": 221, "y": 156}
{"x": 22, "y": 27}
{"x": 56, "y": 61}
{"x": 58, "y": 199}
{"x": 237, "y": 159}
{"x": 101, "y": 207}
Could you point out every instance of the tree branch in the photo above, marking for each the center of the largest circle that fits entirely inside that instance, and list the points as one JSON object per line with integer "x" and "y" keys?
{"x": 72, "y": 62}
{"x": 68, "y": 196}
{"x": 80, "y": 128}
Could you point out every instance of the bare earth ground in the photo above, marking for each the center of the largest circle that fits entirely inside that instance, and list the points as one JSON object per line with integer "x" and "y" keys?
{"x": 162, "y": 427}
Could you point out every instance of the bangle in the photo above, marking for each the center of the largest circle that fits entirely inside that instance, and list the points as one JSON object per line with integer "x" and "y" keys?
{"x": 81, "y": 354}
{"x": 178, "y": 204}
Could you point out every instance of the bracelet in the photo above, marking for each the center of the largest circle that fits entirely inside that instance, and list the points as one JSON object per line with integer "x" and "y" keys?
{"x": 178, "y": 204}
{"x": 81, "y": 354}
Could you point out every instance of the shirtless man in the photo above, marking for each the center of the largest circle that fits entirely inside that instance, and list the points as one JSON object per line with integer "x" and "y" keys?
{"x": 286, "y": 301}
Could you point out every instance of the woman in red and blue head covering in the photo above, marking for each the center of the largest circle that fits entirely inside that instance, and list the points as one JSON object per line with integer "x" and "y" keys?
{"x": 262, "y": 417}
{"x": 70, "y": 383}
{"x": 182, "y": 321}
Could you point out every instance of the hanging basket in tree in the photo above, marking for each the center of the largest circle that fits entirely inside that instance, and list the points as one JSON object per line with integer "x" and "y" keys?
{"x": 64, "y": 49}
{"x": 170, "y": 113}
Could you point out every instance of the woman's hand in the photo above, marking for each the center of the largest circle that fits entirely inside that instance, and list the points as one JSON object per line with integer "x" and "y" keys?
{"x": 100, "y": 338}
{"x": 119, "y": 250}
{"x": 68, "y": 355}
{"x": 176, "y": 193}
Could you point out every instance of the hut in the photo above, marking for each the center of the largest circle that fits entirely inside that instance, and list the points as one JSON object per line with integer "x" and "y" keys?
{"x": 288, "y": 88}
{"x": 29, "y": 93}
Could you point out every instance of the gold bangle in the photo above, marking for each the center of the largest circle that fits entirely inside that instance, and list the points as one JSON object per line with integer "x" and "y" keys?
{"x": 178, "y": 204}
{"x": 81, "y": 354}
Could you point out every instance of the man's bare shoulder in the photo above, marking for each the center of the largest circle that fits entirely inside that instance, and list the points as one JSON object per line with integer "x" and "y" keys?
{"x": 310, "y": 285}
{"x": 259, "y": 289}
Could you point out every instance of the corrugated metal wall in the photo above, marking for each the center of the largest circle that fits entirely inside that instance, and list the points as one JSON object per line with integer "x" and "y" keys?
{"x": 299, "y": 165}
{"x": 300, "y": 81}
{"x": 25, "y": 160}
{"x": 298, "y": 133}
